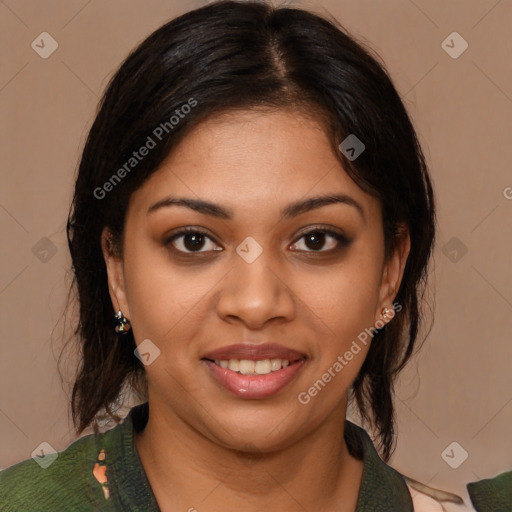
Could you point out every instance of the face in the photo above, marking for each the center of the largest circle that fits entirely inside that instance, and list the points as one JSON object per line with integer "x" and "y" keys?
{"x": 263, "y": 276}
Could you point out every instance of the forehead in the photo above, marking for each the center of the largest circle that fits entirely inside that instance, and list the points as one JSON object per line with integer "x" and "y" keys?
{"x": 251, "y": 159}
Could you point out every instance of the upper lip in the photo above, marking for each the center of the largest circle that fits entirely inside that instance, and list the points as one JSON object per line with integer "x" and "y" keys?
{"x": 254, "y": 352}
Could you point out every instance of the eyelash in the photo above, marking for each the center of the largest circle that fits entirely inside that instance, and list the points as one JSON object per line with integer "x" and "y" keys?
{"x": 341, "y": 239}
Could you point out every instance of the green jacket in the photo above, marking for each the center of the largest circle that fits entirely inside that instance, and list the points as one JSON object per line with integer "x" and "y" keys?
{"x": 69, "y": 484}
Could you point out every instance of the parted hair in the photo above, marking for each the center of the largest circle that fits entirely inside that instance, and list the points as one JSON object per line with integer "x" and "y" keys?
{"x": 232, "y": 55}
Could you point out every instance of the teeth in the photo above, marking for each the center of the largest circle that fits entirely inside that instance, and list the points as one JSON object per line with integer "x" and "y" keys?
{"x": 275, "y": 364}
{"x": 249, "y": 367}
{"x": 263, "y": 367}
{"x": 246, "y": 367}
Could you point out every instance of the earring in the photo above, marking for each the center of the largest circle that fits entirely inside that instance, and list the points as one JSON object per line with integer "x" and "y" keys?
{"x": 387, "y": 312}
{"x": 122, "y": 323}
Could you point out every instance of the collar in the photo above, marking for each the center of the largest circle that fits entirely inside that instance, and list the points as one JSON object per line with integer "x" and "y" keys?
{"x": 128, "y": 481}
{"x": 382, "y": 487}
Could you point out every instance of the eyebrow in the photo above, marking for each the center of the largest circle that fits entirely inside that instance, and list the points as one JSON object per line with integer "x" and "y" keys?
{"x": 290, "y": 211}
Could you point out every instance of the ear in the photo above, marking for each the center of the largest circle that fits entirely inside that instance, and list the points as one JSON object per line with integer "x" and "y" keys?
{"x": 393, "y": 272}
{"x": 115, "y": 273}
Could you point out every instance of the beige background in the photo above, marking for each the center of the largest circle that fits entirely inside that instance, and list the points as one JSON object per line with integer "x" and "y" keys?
{"x": 460, "y": 386}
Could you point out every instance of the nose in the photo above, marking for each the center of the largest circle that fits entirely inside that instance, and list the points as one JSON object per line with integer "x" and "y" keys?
{"x": 256, "y": 293}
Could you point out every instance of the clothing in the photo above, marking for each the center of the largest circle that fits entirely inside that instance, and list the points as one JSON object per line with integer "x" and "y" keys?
{"x": 493, "y": 494}
{"x": 103, "y": 472}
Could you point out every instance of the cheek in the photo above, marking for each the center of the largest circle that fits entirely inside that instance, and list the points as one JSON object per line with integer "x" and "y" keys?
{"x": 159, "y": 298}
{"x": 344, "y": 300}
{"x": 343, "y": 304}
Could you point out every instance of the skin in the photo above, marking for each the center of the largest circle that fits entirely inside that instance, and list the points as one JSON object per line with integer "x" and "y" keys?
{"x": 196, "y": 448}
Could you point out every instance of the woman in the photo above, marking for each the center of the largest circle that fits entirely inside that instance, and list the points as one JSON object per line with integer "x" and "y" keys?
{"x": 254, "y": 211}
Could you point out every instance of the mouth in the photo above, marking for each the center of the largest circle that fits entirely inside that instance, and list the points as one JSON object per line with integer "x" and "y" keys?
{"x": 252, "y": 352}
{"x": 251, "y": 367}
{"x": 254, "y": 371}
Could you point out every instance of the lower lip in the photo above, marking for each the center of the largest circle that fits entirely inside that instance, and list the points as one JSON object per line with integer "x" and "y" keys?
{"x": 254, "y": 386}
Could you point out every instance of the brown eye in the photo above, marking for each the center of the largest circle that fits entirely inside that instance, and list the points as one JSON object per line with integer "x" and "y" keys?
{"x": 192, "y": 240}
{"x": 315, "y": 240}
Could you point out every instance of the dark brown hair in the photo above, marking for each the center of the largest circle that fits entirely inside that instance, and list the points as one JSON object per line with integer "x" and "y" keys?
{"x": 227, "y": 56}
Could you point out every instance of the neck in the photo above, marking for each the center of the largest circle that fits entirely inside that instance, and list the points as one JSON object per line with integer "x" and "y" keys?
{"x": 189, "y": 471}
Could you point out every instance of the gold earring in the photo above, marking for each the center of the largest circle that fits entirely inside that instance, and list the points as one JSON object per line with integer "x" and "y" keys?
{"x": 387, "y": 312}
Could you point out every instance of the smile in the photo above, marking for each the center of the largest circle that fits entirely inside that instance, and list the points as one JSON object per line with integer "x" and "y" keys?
{"x": 251, "y": 379}
{"x": 249, "y": 367}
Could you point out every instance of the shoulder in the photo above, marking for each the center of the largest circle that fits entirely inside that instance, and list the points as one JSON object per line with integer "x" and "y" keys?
{"x": 384, "y": 488}
{"x": 52, "y": 480}
{"x": 492, "y": 494}
{"x": 487, "y": 495}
